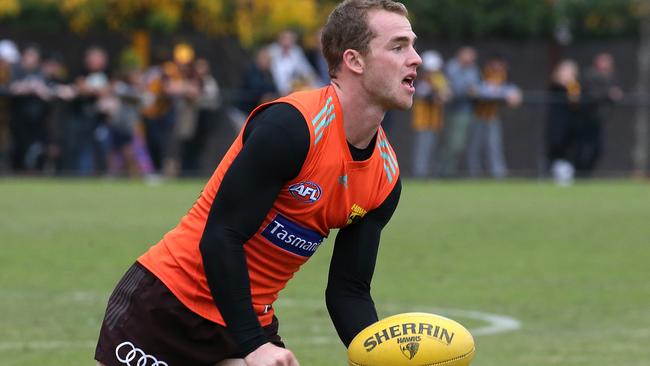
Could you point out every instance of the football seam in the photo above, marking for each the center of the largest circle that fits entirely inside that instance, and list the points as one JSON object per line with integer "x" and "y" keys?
{"x": 352, "y": 363}
{"x": 453, "y": 359}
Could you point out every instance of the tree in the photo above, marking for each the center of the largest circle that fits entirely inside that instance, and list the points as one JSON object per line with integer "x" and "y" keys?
{"x": 517, "y": 19}
{"x": 250, "y": 20}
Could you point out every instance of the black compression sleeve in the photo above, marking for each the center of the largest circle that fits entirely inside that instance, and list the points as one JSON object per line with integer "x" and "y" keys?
{"x": 353, "y": 262}
{"x": 276, "y": 142}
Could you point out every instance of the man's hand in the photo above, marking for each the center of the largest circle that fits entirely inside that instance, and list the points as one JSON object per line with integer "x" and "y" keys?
{"x": 271, "y": 355}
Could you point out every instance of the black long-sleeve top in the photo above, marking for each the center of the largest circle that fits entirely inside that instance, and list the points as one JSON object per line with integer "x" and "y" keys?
{"x": 264, "y": 166}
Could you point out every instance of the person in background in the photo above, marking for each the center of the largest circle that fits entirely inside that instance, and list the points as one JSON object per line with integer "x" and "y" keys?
{"x": 464, "y": 77}
{"x": 157, "y": 114}
{"x": 562, "y": 121}
{"x": 123, "y": 110}
{"x": 208, "y": 103}
{"x": 86, "y": 136}
{"x": 56, "y": 79}
{"x": 29, "y": 112}
{"x": 289, "y": 66}
{"x": 317, "y": 60}
{"x": 601, "y": 89}
{"x": 431, "y": 93}
{"x": 257, "y": 87}
{"x": 183, "y": 87}
{"x": 9, "y": 56}
{"x": 485, "y": 135}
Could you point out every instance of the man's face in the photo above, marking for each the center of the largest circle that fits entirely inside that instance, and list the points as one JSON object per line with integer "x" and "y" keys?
{"x": 391, "y": 63}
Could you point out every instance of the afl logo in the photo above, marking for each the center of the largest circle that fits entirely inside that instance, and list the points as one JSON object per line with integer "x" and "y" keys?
{"x": 307, "y": 192}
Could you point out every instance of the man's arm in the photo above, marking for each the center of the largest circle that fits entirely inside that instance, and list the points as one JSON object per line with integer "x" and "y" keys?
{"x": 276, "y": 143}
{"x": 348, "y": 289}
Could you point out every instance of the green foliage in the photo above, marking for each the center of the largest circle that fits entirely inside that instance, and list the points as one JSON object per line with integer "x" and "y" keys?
{"x": 35, "y": 14}
{"x": 462, "y": 19}
{"x": 600, "y": 18}
{"x": 521, "y": 19}
{"x": 255, "y": 20}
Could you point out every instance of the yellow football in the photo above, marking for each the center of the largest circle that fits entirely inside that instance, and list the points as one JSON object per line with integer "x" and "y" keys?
{"x": 412, "y": 339}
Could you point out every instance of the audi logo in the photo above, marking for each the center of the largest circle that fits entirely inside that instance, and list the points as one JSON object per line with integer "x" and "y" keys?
{"x": 127, "y": 352}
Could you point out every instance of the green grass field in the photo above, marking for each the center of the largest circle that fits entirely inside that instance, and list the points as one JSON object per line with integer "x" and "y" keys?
{"x": 572, "y": 265}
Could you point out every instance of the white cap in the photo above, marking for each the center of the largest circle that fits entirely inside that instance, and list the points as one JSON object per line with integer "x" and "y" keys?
{"x": 431, "y": 61}
{"x": 9, "y": 52}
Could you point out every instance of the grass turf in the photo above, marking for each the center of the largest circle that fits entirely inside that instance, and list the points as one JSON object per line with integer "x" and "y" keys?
{"x": 571, "y": 264}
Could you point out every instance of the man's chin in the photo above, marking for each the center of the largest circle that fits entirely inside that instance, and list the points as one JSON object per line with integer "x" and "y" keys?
{"x": 404, "y": 105}
{"x": 400, "y": 105}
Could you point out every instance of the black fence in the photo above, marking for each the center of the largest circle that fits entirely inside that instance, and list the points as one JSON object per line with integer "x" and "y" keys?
{"x": 530, "y": 65}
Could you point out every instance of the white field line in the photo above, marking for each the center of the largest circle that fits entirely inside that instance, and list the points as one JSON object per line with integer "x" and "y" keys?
{"x": 495, "y": 324}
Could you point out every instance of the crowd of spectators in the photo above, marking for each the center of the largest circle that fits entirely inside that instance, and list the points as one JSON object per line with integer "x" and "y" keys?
{"x": 131, "y": 121}
{"x": 117, "y": 118}
{"x": 155, "y": 121}
{"x": 456, "y": 116}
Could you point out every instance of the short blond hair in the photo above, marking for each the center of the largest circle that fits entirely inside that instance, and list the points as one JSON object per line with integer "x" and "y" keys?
{"x": 347, "y": 28}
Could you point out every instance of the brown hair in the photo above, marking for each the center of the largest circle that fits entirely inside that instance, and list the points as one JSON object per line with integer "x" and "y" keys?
{"x": 347, "y": 28}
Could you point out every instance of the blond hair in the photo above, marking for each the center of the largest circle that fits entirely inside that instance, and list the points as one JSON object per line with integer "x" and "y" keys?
{"x": 347, "y": 28}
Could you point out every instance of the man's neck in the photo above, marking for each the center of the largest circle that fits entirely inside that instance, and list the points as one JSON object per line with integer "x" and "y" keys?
{"x": 361, "y": 117}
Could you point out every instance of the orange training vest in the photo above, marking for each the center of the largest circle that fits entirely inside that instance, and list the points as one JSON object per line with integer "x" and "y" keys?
{"x": 331, "y": 191}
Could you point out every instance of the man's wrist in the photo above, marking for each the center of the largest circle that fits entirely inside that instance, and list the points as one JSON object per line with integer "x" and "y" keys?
{"x": 249, "y": 345}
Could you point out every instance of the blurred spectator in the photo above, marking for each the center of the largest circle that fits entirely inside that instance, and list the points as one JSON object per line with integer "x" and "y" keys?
{"x": 9, "y": 56}
{"x": 183, "y": 86}
{"x": 86, "y": 136}
{"x": 431, "y": 93}
{"x": 485, "y": 135}
{"x": 56, "y": 74}
{"x": 317, "y": 60}
{"x": 601, "y": 89}
{"x": 464, "y": 78}
{"x": 157, "y": 114}
{"x": 123, "y": 110}
{"x": 562, "y": 121}
{"x": 289, "y": 66}
{"x": 258, "y": 85}
{"x": 29, "y": 112}
{"x": 208, "y": 103}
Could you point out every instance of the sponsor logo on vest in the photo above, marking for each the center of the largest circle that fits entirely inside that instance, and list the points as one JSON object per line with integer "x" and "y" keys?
{"x": 408, "y": 336}
{"x": 292, "y": 237}
{"x": 307, "y": 192}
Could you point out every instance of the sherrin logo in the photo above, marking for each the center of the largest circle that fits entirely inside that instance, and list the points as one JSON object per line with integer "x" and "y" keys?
{"x": 307, "y": 192}
{"x": 408, "y": 336}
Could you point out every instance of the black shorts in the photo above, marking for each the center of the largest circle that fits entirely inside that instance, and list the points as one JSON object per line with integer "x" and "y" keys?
{"x": 145, "y": 324}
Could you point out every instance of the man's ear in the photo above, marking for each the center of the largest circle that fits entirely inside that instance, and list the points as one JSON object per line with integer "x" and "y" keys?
{"x": 354, "y": 61}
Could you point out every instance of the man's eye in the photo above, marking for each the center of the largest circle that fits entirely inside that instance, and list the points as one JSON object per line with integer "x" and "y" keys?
{"x": 397, "y": 48}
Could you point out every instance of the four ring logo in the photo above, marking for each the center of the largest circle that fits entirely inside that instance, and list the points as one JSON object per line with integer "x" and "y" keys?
{"x": 308, "y": 192}
{"x": 127, "y": 352}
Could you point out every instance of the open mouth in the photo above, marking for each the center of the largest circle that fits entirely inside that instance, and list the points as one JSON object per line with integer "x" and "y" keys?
{"x": 408, "y": 81}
